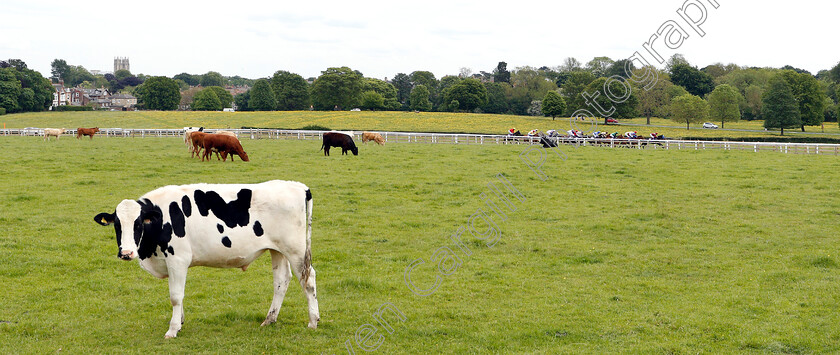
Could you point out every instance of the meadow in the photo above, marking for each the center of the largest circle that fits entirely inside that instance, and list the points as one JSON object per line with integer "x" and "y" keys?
{"x": 616, "y": 251}
{"x": 379, "y": 121}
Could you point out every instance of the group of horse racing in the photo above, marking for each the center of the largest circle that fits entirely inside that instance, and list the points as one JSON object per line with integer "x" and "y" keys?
{"x": 552, "y": 137}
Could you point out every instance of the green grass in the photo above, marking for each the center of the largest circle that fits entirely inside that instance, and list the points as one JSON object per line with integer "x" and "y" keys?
{"x": 375, "y": 121}
{"x": 619, "y": 250}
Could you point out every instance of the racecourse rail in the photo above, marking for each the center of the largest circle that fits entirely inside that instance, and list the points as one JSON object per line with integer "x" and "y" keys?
{"x": 457, "y": 138}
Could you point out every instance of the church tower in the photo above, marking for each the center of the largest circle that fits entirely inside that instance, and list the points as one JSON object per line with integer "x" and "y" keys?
{"x": 121, "y": 63}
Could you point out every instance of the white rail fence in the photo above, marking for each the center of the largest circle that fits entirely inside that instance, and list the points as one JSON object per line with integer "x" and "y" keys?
{"x": 451, "y": 138}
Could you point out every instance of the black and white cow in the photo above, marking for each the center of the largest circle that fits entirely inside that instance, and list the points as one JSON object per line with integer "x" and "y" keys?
{"x": 175, "y": 227}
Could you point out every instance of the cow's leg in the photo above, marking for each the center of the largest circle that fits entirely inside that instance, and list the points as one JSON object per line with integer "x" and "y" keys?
{"x": 282, "y": 276}
{"x": 308, "y": 285}
{"x": 177, "y": 284}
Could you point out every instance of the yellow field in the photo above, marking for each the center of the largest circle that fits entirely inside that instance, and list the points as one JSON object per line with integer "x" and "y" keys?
{"x": 372, "y": 121}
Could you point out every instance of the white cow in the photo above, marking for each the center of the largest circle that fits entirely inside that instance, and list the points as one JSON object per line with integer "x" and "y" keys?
{"x": 175, "y": 227}
{"x": 53, "y": 132}
{"x": 187, "y": 140}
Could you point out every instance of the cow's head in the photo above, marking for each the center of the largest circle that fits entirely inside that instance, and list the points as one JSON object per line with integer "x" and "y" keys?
{"x": 96, "y": 129}
{"x": 354, "y": 149}
{"x": 132, "y": 221}
{"x": 243, "y": 156}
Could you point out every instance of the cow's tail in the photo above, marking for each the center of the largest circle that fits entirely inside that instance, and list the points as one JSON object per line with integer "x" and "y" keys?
{"x": 307, "y": 258}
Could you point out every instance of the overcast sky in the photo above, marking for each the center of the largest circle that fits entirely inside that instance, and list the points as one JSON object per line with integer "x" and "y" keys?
{"x": 254, "y": 39}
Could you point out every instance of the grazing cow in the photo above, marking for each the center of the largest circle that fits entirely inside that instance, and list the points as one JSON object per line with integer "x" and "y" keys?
{"x": 370, "y": 136}
{"x": 53, "y": 132}
{"x": 224, "y": 145}
{"x": 86, "y": 132}
{"x": 227, "y": 226}
{"x": 197, "y": 141}
{"x": 338, "y": 139}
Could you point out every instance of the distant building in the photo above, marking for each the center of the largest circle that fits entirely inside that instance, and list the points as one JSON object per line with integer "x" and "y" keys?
{"x": 123, "y": 101}
{"x": 236, "y": 90}
{"x": 61, "y": 95}
{"x": 121, "y": 63}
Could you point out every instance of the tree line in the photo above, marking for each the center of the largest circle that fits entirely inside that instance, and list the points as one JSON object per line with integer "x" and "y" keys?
{"x": 682, "y": 92}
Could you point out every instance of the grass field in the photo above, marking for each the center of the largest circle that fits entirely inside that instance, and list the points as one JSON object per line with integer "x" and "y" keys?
{"x": 617, "y": 251}
{"x": 373, "y": 121}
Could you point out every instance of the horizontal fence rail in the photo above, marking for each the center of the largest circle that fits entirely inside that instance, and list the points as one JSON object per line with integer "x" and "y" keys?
{"x": 456, "y": 138}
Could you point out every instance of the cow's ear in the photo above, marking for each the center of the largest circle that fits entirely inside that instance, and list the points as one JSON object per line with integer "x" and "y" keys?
{"x": 105, "y": 218}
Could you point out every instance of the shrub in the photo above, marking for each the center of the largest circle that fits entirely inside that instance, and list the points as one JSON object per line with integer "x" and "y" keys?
{"x": 72, "y": 108}
{"x": 314, "y": 127}
{"x": 2, "y": 110}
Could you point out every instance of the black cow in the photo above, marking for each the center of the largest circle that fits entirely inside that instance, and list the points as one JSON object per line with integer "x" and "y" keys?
{"x": 336, "y": 139}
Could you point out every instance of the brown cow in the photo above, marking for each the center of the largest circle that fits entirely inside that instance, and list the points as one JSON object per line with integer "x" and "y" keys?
{"x": 370, "y": 136}
{"x": 196, "y": 138}
{"x": 86, "y": 132}
{"x": 223, "y": 144}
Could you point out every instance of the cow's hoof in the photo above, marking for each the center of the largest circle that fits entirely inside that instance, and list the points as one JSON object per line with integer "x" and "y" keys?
{"x": 171, "y": 334}
{"x": 266, "y": 322}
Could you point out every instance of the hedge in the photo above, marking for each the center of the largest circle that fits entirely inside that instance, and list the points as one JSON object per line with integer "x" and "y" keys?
{"x": 72, "y": 108}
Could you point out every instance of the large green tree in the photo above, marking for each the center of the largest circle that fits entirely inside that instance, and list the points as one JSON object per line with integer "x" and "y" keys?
{"x": 752, "y": 95}
{"x": 190, "y": 79}
{"x": 206, "y": 100}
{"x": 36, "y": 91}
{"x": 337, "y": 87}
{"x": 834, "y": 73}
{"x": 780, "y": 109}
{"x": 653, "y": 101}
{"x": 598, "y": 103}
{"x": 402, "y": 82}
{"x": 242, "y": 100}
{"x": 122, "y": 74}
{"x": 692, "y": 79}
{"x": 619, "y": 68}
{"x": 10, "y": 90}
{"x": 372, "y": 100}
{"x": 384, "y": 89}
{"x": 224, "y": 96}
{"x": 262, "y": 97}
{"x": 724, "y": 104}
{"x": 553, "y": 104}
{"x": 501, "y": 74}
{"x": 809, "y": 95}
{"x": 469, "y": 93}
{"x": 496, "y": 100}
{"x": 572, "y": 89}
{"x": 420, "y": 98}
{"x": 77, "y": 74}
{"x": 212, "y": 78}
{"x": 689, "y": 109}
{"x": 598, "y": 66}
{"x": 158, "y": 93}
{"x": 59, "y": 69}
{"x": 291, "y": 91}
